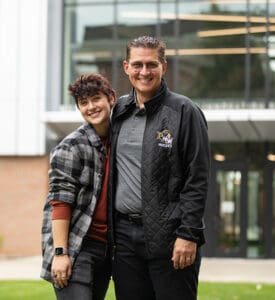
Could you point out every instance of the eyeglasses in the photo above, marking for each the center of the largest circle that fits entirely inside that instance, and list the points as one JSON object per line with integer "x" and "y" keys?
{"x": 151, "y": 66}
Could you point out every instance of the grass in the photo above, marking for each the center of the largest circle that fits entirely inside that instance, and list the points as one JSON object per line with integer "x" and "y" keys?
{"x": 235, "y": 291}
{"x": 39, "y": 289}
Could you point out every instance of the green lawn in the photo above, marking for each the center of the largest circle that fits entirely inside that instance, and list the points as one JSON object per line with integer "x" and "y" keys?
{"x": 38, "y": 289}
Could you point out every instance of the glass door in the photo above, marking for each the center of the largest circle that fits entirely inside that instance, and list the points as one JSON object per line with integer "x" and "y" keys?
{"x": 226, "y": 211}
{"x": 269, "y": 209}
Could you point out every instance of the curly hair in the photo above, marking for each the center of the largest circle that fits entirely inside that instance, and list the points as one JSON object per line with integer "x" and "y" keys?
{"x": 88, "y": 85}
{"x": 147, "y": 42}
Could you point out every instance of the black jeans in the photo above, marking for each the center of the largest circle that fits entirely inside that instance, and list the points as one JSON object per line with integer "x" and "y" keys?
{"x": 90, "y": 273}
{"x": 138, "y": 278}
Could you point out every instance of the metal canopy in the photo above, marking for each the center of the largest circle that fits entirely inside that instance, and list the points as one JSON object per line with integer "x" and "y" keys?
{"x": 223, "y": 125}
{"x": 241, "y": 125}
{"x": 61, "y": 123}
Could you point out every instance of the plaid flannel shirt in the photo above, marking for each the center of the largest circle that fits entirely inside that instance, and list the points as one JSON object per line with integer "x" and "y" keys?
{"x": 75, "y": 177}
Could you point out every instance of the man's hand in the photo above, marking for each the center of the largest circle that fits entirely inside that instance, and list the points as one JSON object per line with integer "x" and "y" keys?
{"x": 184, "y": 253}
{"x": 61, "y": 270}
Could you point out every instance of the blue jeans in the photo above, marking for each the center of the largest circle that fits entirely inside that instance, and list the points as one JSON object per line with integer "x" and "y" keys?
{"x": 90, "y": 273}
{"x": 137, "y": 277}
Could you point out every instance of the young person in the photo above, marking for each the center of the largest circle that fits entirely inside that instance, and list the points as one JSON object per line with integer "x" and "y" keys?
{"x": 76, "y": 256}
{"x": 159, "y": 179}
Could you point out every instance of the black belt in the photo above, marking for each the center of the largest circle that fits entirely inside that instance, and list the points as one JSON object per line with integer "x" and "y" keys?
{"x": 133, "y": 218}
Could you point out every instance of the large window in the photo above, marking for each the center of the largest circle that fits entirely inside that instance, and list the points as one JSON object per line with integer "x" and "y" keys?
{"x": 133, "y": 19}
{"x": 88, "y": 41}
{"x": 219, "y": 53}
{"x": 270, "y": 75}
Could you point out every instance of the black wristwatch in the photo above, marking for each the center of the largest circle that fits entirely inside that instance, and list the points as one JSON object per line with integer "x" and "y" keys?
{"x": 60, "y": 251}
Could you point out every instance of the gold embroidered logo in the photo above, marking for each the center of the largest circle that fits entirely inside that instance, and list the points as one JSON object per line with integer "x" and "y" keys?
{"x": 165, "y": 138}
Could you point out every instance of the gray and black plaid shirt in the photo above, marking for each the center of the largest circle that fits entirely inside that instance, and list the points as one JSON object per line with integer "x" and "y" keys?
{"x": 75, "y": 177}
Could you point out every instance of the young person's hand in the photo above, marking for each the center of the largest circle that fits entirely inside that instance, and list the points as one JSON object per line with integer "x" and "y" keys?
{"x": 61, "y": 270}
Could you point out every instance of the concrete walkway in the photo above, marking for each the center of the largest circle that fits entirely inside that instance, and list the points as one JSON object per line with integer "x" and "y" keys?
{"x": 212, "y": 269}
{"x": 238, "y": 270}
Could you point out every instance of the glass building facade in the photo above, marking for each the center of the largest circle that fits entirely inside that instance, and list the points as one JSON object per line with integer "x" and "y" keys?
{"x": 221, "y": 54}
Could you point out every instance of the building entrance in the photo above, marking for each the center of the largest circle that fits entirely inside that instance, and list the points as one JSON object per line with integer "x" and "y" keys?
{"x": 240, "y": 210}
{"x": 269, "y": 209}
{"x": 226, "y": 211}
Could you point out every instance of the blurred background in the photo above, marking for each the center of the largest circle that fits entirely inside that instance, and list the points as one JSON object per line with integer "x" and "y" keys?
{"x": 220, "y": 53}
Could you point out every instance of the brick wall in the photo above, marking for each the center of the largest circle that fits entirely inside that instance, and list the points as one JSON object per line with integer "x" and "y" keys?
{"x": 23, "y": 189}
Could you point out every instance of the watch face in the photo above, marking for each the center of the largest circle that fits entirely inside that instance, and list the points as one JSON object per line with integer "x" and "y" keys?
{"x": 58, "y": 251}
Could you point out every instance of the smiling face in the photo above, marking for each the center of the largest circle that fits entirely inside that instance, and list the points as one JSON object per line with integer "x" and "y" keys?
{"x": 144, "y": 71}
{"x": 96, "y": 110}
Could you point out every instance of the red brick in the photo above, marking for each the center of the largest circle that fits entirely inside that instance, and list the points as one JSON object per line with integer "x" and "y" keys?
{"x": 23, "y": 190}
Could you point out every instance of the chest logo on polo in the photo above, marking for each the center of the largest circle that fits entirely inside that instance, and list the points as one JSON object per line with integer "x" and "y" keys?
{"x": 165, "y": 138}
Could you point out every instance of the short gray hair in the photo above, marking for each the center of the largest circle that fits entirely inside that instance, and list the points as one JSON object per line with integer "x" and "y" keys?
{"x": 147, "y": 42}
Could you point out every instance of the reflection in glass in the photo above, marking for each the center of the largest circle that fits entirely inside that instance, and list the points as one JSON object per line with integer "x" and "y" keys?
{"x": 212, "y": 67}
{"x": 82, "y": 1}
{"x": 136, "y": 19}
{"x": 254, "y": 226}
{"x": 133, "y": 20}
{"x": 221, "y": 54}
{"x": 273, "y": 211}
{"x": 87, "y": 42}
{"x": 229, "y": 183}
{"x": 271, "y": 56}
